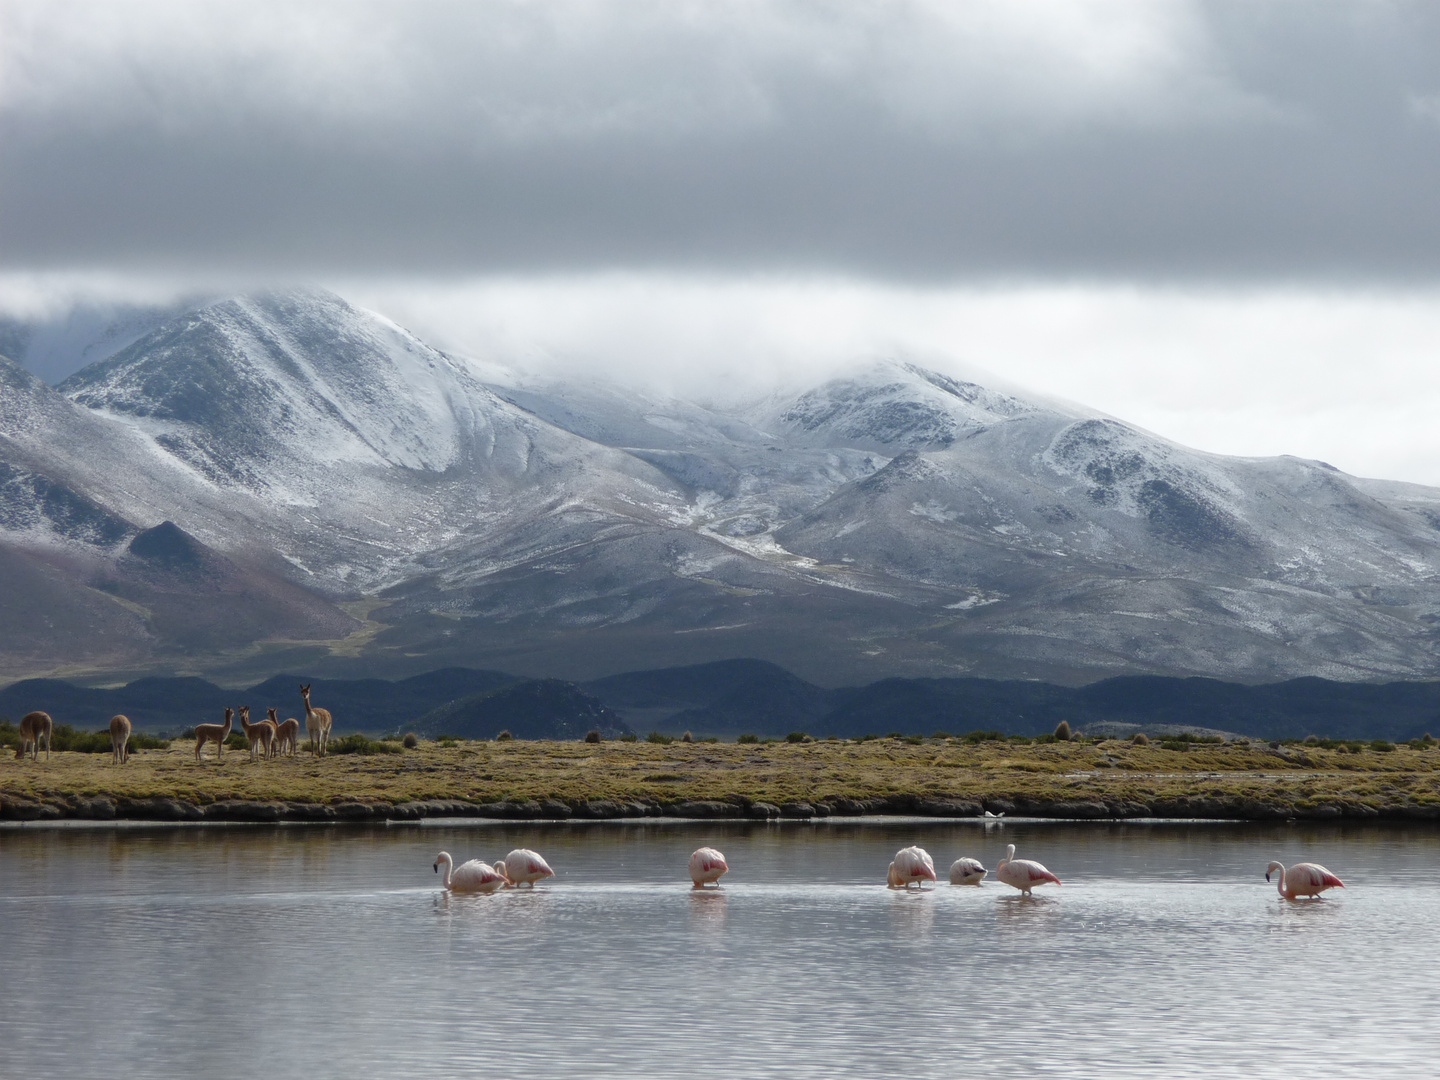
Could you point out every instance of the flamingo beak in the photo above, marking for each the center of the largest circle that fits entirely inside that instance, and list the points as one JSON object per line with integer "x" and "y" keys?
{"x": 1267, "y": 875}
{"x": 437, "y": 867}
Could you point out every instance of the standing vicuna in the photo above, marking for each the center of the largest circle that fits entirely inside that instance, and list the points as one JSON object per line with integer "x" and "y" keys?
{"x": 258, "y": 735}
{"x": 270, "y": 740}
{"x": 119, "y": 739}
{"x": 286, "y": 734}
{"x": 317, "y": 724}
{"x": 34, "y": 727}
{"x": 216, "y": 733}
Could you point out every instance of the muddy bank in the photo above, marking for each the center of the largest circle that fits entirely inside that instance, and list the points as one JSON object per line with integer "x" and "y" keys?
{"x": 166, "y": 809}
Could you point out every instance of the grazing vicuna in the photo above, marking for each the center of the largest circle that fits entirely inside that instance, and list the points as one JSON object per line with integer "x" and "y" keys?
{"x": 119, "y": 739}
{"x": 259, "y": 735}
{"x": 317, "y": 724}
{"x": 287, "y": 734}
{"x": 34, "y": 727}
{"x": 216, "y": 733}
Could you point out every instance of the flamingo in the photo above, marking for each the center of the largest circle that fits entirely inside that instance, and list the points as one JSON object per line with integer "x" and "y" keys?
{"x": 1023, "y": 874}
{"x": 523, "y": 867}
{"x": 1303, "y": 879}
{"x": 967, "y": 872}
{"x": 912, "y": 866}
{"x": 706, "y": 866}
{"x": 469, "y": 877}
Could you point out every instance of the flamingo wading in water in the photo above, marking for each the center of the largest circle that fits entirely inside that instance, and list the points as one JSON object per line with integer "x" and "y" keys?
{"x": 967, "y": 871}
{"x": 912, "y": 866}
{"x": 469, "y": 877}
{"x": 1023, "y": 874}
{"x": 523, "y": 867}
{"x": 706, "y": 866}
{"x": 1303, "y": 879}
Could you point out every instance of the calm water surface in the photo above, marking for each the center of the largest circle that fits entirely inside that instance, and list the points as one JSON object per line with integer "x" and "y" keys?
{"x": 332, "y": 952}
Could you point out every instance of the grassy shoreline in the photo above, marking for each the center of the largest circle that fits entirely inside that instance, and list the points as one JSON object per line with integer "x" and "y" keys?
{"x": 548, "y": 780}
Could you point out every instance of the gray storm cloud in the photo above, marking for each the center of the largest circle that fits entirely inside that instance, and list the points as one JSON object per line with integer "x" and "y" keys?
{"x": 905, "y": 140}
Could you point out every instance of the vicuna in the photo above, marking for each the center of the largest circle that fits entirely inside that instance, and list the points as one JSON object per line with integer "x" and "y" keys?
{"x": 119, "y": 739}
{"x": 317, "y": 724}
{"x": 287, "y": 734}
{"x": 216, "y": 733}
{"x": 259, "y": 736}
{"x": 34, "y": 727}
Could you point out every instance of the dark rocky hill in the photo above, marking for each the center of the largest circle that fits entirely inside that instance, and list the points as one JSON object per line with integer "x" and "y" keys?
{"x": 732, "y": 697}
{"x": 528, "y": 709}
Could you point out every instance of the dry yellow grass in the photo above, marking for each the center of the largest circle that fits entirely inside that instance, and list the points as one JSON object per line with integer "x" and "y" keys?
{"x": 1245, "y": 780}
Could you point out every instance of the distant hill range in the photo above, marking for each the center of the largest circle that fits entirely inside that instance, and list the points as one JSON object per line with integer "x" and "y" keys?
{"x": 732, "y": 697}
{"x": 283, "y": 481}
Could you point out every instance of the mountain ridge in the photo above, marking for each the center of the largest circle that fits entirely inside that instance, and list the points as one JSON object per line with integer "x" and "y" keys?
{"x": 889, "y": 521}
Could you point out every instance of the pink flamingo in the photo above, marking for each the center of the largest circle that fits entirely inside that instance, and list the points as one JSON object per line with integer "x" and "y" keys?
{"x": 469, "y": 877}
{"x": 967, "y": 871}
{"x": 1303, "y": 879}
{"x": 1023, "y": 874}
{"x": 706, "y": 866}
{"x": 523, "y": 867}
{"x": 912, "y": 866}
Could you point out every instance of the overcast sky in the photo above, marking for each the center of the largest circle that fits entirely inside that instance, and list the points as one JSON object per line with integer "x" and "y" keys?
{"x": 1219, "y": 220}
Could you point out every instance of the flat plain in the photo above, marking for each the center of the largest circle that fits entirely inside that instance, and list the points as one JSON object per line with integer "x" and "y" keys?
{"x": 1089, "y": 778}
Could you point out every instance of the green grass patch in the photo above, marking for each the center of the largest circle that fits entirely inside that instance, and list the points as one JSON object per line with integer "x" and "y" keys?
{"x": 361, "y": 744}
{"x": 63, "y": 737}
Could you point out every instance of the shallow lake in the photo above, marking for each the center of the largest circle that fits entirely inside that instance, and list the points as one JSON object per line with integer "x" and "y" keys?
{"x": 332, "y": 952}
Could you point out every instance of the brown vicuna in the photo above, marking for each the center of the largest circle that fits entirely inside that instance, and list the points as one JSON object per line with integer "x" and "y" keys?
{"x": 274, "y": 726}
{"x": 287, "y": 734}
{"x": 317, "y": 724}
{"x": 259, "y": 735}
{"x": 119, "y": 739}
{"x": 216, "y": 733}
{"x": 34, "y": 727}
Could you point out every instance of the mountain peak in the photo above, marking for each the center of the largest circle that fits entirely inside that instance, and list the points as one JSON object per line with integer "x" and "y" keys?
{"x": 891, "y": 406}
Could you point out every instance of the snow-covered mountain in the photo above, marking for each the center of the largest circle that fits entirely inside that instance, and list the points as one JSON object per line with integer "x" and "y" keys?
{"x": 888, "y": 521}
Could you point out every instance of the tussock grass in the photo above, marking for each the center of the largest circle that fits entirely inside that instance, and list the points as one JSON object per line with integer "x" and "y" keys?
{"x": 361, "y": 744}
{"x": 1295, "y": 775}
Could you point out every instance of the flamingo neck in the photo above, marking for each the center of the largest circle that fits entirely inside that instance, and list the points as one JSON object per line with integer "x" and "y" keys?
{"x": 447, "y": 863}
{"x": 1280, "y": 882}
